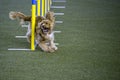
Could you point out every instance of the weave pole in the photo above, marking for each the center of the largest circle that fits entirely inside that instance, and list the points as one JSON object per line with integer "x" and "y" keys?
{"x": 33, "y": 25}
{"x": 38, "y": 7}
{"x": 48, "y": 3}
{"x": 46, "y": 6}
{"x": 43, "y": 7}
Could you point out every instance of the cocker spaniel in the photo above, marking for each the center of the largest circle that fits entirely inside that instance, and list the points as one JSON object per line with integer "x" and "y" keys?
{"x": 44, "y": 35}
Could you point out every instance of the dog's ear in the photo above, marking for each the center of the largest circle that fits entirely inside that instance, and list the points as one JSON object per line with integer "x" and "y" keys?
{"x": 50, "y": 16}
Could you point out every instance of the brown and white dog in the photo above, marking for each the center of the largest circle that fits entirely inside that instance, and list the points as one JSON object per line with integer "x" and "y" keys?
{"x": 44, "y": 35}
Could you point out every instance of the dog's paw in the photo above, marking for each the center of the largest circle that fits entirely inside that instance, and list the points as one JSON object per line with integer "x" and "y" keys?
{"x": 51, "y": 50}
{"x": 55, "y": 47}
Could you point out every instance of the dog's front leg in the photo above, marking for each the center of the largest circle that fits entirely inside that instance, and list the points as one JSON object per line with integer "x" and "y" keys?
{"x": 52, "y": 44}
{"x": 45, "y": 47}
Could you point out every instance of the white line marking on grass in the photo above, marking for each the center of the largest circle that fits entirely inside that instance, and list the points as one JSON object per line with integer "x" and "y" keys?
{"x": 20, "y": 36}
{"x": 24, "y": 25}
{"x": 22, "y": 49}
{"x": 58, "y": 21}
{"x": 58, "y": 7}
{"x": 58, "y": 13}
{"x": 57, "y": 31}
{"x": 56, "y": 43}
{"x": 59, "y": 1}
{"x": 18, "y": 49}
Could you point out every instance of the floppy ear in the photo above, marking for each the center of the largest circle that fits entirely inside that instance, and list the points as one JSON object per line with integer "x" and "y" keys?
{"x": 50, "y": 16}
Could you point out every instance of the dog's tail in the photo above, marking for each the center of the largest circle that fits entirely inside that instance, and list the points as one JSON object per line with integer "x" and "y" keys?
{"x": 14, "y": 15}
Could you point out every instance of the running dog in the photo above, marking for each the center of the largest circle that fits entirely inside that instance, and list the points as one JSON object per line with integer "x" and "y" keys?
{"x": 44, "y": 35}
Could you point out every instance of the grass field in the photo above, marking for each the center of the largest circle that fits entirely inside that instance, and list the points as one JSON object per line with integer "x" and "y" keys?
{"x": 89, "y": 43}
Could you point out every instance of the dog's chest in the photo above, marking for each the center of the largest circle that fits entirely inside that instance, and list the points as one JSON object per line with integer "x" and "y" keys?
{"x": 46, "y": 37}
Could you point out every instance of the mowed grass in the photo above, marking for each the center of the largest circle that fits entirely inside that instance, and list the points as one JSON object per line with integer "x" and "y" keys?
{"x": 89, "y": 43}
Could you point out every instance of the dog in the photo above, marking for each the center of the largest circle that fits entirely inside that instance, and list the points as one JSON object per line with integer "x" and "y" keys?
{"x": 44, "y": 35}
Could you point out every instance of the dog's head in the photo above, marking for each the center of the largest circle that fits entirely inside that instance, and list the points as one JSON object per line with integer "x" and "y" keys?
{"x": 44, "y": 27}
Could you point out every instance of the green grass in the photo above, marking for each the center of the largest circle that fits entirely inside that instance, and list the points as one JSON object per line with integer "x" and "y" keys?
{"x": 89, "y": 43}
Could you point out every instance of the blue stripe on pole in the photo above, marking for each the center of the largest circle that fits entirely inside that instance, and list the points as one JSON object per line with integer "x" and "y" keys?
{"x": 33, "y": 1}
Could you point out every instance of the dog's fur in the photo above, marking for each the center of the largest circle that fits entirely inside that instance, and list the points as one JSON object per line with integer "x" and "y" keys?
{"x": 43, "y": 29}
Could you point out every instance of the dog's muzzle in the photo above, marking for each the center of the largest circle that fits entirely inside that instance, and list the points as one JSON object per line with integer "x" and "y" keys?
{"x": 44, "y": 29}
